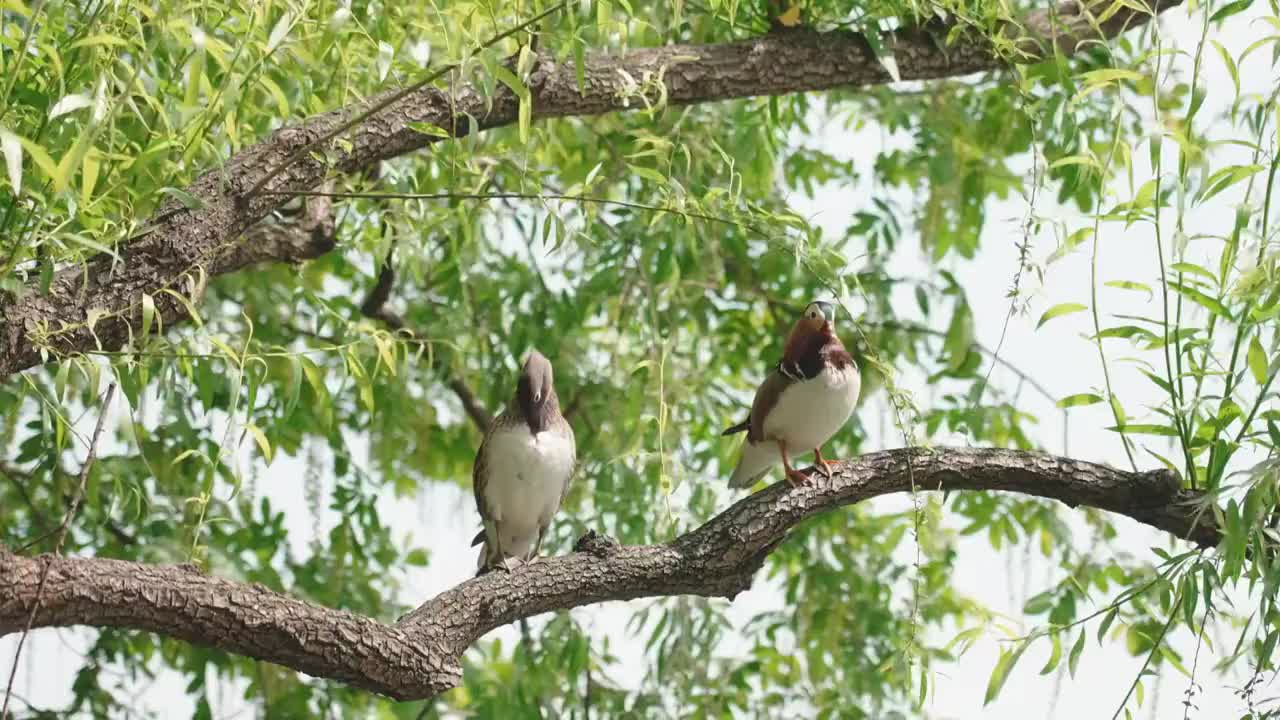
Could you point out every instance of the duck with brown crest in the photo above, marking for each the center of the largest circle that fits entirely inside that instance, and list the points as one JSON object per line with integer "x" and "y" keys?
{"x": 804, "y": 401}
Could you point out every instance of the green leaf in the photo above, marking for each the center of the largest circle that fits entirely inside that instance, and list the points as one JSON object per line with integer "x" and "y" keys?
{"x": 1038, "y": 604}
{"x": 1087, "y": 160}
{"x": 883, "y": 54}
{"x": 60, "y": 381}
{"x": 508, "y": 78}
{"x": 428, "y": 129}
{"x": 1106, "y": 623}
{"x": 1130, "y": 285}
{"x": 89, "y": 177}
{"x": 648, "y": 174}
{"x": 1074, "y": 240}
{"x": 1189, "y": 598}
{"x": 959, "y": 338}
{"x": 97, "y": 40}
{"x": 1230, "y": 65}
{"x": 1213, "y": 305}
{"x": 580, "y": 64}
{"x": 1230, "y": 9}
{"x": 45, "y": 163}
{"x": 1224, "y": 178}
{"x": 1144, "y": 429}
{"x": 1107, "y": 75}
{"x": 1058, "y": 311}
{"x": 964, "y": 639}
{"x": 295, "y": 385}
{"x": 148, "y": 313}
{"x": 1159, "y": 381}
{"x": 1073, "y": 658}
{"x": 279, "y": 32}
{"x": 261, "y": 439}
{"x": 1127, "y": 331}
{"x": 604, "y": 9}
{"x": 190, "y": 452}
{"x": 315, "y": 378}
{"x": 69, "y": 104}
{"x": 1008, "y": 658}
{"x": 192, "y": 312}
{"x": 189, "y": 201}
{"x": 386, "y": 353}
{"x": 1257, "y": 360}
{"x": 1055, "y": 655}
{"x": 11, "y": 147}
{"x": 385, "y": 58}
{"x": 1193, "y": 269}
{"x": 525, "y": 116}
{"x": 1080, "y": 399}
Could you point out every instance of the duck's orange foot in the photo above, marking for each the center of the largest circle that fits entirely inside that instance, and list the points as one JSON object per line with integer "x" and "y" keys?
{"x": 797, "y": 478}
{"x": 825, "y": 468}
{"x": 821, "y": 465}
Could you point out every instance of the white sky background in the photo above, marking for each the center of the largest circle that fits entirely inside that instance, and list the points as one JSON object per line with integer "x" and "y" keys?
{"x": 1059, "y": 357}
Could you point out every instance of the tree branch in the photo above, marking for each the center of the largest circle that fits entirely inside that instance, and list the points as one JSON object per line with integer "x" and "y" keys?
{"x": 475, "y": 409}
{"x": 209, "y": 239}
{"x": 420, "y": 655}
{"x": 375, "y": 308}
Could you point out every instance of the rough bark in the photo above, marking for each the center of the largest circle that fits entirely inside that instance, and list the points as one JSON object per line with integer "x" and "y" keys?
{"x": 419, "y": 655}
{"x": 179, "y": 242}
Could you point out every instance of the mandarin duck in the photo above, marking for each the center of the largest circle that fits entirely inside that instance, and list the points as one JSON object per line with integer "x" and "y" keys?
{"x": 804, "y": 401}
{"x": 522, "y": 470}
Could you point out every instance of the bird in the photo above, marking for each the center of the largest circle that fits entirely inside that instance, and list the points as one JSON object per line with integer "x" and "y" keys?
{"x": 809, "y": 396}
{"x": 522, "y": 470}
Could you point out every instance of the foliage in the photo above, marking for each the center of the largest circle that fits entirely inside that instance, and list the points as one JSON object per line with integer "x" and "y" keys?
{"x": 660, "y": 306}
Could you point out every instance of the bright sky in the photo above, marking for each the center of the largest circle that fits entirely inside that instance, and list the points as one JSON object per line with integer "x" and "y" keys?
{"x": 1058, "y": 356}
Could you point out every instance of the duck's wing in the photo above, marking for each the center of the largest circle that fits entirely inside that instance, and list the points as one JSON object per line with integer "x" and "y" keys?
{"x": 766, "y": 398}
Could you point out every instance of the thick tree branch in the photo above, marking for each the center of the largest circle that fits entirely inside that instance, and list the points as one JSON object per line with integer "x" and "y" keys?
{"x": 420, "y": 655}
{"x": 209, "y": 240}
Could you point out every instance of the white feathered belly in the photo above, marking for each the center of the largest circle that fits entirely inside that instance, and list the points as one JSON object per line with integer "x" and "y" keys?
{"x": 804, "y": 417}
{"x": 527, "y": 476}
{"x": 808, "y": 413}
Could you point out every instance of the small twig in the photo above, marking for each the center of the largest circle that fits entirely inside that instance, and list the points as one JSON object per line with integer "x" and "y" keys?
{"x": 375, "y": 308}
{"x": 57, "y": 548}
{"x": 522, "y": 196}
{"x": 1192, "y": 686}
{"x": 1024, "y": 251}
{"x": 586, "y": 697}
{"x": 375, "y": 303}
{"x": 1173, "y": 616}
{"x": 913, "y": 329}
{"x": 475, "y": 410}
